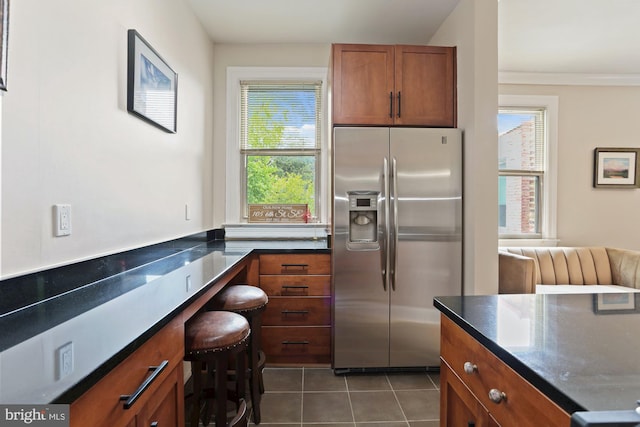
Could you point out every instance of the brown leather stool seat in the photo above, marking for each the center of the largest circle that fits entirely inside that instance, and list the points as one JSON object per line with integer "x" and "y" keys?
{"x": 211, "y": 338}
{"x": 250, "y": 302}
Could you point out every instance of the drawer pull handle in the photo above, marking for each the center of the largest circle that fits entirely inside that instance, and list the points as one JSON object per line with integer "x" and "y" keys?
{"x": 296, "y": 266}
{"x": 154, "y": 424}
{"x": 292, "y": 288}
{"x": 285, "y": 312}
{"x": 131, "y": 398}
{"x": 497, "y": 396}
{"x": 295, "y": 342}
{"x": 470, "y": 368}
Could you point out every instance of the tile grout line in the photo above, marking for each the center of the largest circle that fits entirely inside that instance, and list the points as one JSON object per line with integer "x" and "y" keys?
{"x": 302, "y": 400}
{"x": 406, "y": 421}
{"x": 346, "y": 385}
{"x": 433, "y": 382}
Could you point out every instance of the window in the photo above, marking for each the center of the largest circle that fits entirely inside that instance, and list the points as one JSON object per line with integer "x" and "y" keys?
{"x": 280, "y": 147}
{"x": 289, "y": 147}
{"x": 526, "y": 167}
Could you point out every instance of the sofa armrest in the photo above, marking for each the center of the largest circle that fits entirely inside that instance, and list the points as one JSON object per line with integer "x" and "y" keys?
{"x": 516, "y": 274}
{"x": 625, "y": 267}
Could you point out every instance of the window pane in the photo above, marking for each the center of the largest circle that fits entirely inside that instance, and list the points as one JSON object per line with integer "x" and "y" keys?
{"x": 521, "y": 139}
{"x": 518, "y": 205}
{"x": 281, "y": 179}
{"x": 280, "y": 116}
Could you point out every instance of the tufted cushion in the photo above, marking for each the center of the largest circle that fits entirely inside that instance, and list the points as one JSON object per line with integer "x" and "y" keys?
{"x": 569, "y": 265}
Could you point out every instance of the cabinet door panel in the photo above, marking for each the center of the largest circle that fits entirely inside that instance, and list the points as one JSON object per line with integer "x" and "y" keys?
{"x": 297, "y": 344}
{"x": 296, "y": 286}
{"x": 458, "y": 406}
{"x": 292, "y": 311}
{"x": 362, "y": 84}
{"x": 425, "y": 80}
{"x": 296, "y": 264}
{"x": 166, "y": 407}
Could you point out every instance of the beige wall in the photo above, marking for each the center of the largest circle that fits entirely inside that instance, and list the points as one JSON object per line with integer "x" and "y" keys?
{"x": 472, "y": 27}
{"x": 249, "y": 55}
{"x": 590, "y": 117}
{"x": 67, "y": 136}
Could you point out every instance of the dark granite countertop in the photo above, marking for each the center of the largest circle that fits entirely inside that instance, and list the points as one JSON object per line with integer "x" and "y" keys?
{"x": 106, "y": 307}
{"x": 580, "y": 350}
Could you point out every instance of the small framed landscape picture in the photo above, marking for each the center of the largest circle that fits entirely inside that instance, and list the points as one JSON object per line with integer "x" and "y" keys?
{"x": 615, "y": 167}
{"x": 615, "y": 303}
{"x": 151, "y": 85}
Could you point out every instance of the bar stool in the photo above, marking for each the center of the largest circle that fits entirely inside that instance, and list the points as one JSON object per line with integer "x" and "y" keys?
{"x": 249, "y": 301}
{"x": 211, "y": 338}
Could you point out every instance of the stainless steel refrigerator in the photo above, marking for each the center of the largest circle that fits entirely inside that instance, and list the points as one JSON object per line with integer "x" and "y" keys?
{"x": 397, "y": 243}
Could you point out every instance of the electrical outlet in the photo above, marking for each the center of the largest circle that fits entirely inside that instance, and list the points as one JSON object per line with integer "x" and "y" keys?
{"x": 62, "y": 220}
{"x": 64, "y": 358}
{"x": 187, "y": 213}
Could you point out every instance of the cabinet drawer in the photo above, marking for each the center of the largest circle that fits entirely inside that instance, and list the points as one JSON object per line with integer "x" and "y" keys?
{"x": 297, "y": 264}
{"x": 524, "y": 404}
{"x": 126, "y": 377}
{"x": 294, "y": 286}
{"x": 297, "y": 344}
{"x": 292, "y": 311}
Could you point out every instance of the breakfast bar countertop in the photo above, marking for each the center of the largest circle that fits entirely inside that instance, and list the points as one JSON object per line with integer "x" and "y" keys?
{"x": 580, "y": 350}
{"x": 103, "y": 317}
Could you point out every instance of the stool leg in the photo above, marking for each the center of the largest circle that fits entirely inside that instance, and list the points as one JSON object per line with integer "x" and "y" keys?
{"x": 241, "y": 379}
{"x": 255, "y": 379}
{"x": 196, "y": 374}
{"x": 261, "y": 361}
{"x": 222, "y": 364}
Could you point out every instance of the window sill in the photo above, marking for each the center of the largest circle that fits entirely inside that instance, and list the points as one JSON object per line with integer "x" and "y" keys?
{"x": 506, "y": 243}
{"x": 275, "y": 231}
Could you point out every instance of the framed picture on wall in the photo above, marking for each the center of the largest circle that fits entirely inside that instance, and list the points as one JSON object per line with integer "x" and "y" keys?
{"x": 152, "y": 86}
{"x": 615, "y": 167}
{"x": 4, "y": 41}
{"x": 615, "y": 303}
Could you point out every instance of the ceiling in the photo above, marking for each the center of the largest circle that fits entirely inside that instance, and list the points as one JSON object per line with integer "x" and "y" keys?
{"x": 542, "y": 36}
{"x": 569, "y": 36}
{"x": 322, "y": 21}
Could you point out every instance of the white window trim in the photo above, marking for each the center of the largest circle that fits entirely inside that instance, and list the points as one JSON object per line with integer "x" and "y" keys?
{"x": 550, "y": 212}
{"x": 234, "y": 225}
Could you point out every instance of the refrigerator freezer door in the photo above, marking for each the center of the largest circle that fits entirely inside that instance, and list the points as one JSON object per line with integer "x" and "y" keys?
{"x": 361, "y": 300}
{"x": 428, "y": 198}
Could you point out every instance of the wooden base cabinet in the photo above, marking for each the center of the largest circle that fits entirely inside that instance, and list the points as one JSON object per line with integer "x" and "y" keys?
{"x": 296, "y": 325}
{"x": 160, "y": 404}
{"x": 458, "y": 406}
{"x": 478, "y": 388}
{"x": 388, "y": 85}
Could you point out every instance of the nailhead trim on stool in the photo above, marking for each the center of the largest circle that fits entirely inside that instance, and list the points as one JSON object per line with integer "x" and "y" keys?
{"x": 212, "y": 337}
{"x": 249, "y": 301}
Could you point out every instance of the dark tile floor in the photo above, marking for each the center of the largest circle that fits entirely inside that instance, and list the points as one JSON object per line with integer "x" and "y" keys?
{"x": 316, "y": 397}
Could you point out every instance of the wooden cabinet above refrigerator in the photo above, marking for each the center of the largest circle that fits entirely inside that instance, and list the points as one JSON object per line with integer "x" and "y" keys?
{"x": 393, "y": 85}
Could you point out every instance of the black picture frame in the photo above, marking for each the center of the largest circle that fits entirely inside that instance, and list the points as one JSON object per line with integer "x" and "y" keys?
{"x": 616, "y": 303}
{"x": 152, "y": 85}
{"x": 615, "y": 167}
{"x": 4, "y": 42}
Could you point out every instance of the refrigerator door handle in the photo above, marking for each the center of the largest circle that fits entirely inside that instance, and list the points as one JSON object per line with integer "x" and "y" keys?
{"x": 394, "y": 206}
{"x": 384, "y": 248}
